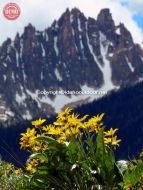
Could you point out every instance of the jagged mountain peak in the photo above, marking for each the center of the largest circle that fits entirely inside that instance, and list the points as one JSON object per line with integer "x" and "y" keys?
{"x": 72, "y": 14}
{"x": 105, "y": 14}
{"x": 30, "y": 27}
{"x": 17, "y": 36}
{"x": 125, "y": 33}
{"x": 29, "y": 31}
{"x": 73, "y": 11}
{"x": 106, "y": 22}
{"x": 75, "y": 53}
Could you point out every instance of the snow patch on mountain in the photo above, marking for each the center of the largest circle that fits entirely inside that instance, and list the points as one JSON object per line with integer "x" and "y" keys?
{"x": 27, "y": 115}
{"x": 130, "y": 65}
{"x": 106, "y": 69}
{"x": 58, "y": 76}
{"x": 55, "y": 45}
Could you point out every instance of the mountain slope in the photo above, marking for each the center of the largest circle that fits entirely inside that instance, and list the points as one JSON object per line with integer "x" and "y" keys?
{"x": 75, "y": 54}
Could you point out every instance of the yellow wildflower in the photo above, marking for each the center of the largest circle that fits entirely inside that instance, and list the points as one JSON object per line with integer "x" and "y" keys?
{"x": 62, "y": 139}
{"x": 58, "y": 123}
{"x": 27, "y": 138}
{"x": 9, "y": 166}
{"x": 65, "y": 126}
{"x": 110, "y": 138}
{"x": 39, "y": 146}
{"x": 83, "y": 118}
{"x": 115, "y": 141}
{"x": 18, "y": 171}
{"x": 54, "y": 131}
{"x": 63, "y": 115}
{"x": 29, "y": 133}
{"x": 38, "y": 123}
{"x": 95, "y": 123}
{"x": 32, "y": 166}
{"x": 111, "y": 132}
{"x": 107, "y": 140}
{"x": 67, "y": 132}
{"x": 47, "y": 127}
{"x": 112, "y": 141}
{"x": 74, "y": 131}
{"x": 73, "y": 119}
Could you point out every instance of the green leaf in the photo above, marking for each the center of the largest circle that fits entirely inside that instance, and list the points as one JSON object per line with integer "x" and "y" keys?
{"x": 133, "y": 177}
{"x": 46, "y": 139}
{"x": 100, "y": 149}
{"x": 40, "y": 156}
{"x": 104, "y": 159}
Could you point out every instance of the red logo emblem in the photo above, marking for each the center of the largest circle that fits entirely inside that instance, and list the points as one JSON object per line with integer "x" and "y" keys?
{"x": 11, "y": 11}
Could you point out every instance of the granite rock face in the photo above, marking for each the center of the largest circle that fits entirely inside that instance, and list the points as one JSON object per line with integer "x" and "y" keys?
{"x": 75, "y": 53}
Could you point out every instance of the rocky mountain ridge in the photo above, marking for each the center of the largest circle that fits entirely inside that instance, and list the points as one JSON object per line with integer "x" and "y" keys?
{"x": 75, "y": 53}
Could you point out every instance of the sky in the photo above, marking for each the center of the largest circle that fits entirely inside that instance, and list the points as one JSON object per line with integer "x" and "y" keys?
{"x": 41, "y": 13}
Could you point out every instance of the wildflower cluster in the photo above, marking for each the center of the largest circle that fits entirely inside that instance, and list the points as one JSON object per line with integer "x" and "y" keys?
{"x": 110, "y": 137}
{"x": 28, "y": 139}
{"x": 66, "y": 126}
{"x": 11, "y": 177}
{"x": 72, "y": 153}
{"x": 32, "y": 165}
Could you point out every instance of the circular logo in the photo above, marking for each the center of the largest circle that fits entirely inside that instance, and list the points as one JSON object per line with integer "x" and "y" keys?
{"x": 11, "y": 11}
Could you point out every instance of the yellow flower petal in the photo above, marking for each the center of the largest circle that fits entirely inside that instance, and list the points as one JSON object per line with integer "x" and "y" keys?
{"x": 38, "y": 123}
